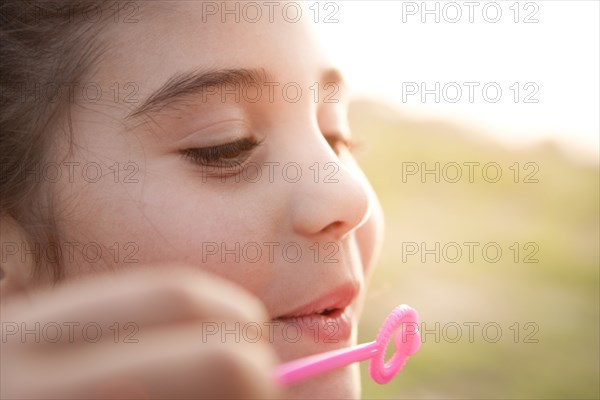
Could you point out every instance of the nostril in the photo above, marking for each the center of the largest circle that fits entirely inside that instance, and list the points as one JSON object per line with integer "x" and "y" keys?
{"x": 336, "y": 228}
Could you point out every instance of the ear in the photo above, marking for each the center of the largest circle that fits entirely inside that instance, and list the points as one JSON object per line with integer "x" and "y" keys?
{"x": 17, "y": 261}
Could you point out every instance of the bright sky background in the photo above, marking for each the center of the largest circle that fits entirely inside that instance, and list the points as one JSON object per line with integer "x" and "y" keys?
{"x": 560, "y": 54}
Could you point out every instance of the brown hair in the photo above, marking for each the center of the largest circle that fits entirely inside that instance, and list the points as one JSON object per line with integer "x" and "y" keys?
{"x": 41, "y": 43}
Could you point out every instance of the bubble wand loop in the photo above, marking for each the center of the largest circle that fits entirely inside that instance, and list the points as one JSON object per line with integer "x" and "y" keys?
{"x": 407, "y": 341}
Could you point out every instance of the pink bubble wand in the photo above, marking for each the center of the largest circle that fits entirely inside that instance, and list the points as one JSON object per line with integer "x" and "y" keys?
{"x": 407, "y": 341}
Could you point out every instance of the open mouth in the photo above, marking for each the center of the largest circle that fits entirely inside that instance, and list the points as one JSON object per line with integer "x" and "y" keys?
{"x": 328, "y": 318}
{"x": 331, "y": 304}
{"x": 331, "y": 312}
{"x": 326, "y": 326}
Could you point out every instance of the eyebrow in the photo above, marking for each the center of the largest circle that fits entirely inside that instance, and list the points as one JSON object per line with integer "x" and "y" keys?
{"x": 189, "y": 83}
{"x": 196, "y": 82}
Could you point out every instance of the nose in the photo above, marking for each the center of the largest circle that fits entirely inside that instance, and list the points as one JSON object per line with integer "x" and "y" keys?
{"x": 332, "y": 198}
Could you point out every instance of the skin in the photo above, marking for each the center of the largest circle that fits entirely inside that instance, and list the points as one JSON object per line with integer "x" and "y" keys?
{"x": 166, "y": 217}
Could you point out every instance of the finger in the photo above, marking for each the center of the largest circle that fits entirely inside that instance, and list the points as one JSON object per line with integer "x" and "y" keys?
{"x": 166, "y": 363}
{"x": 143, "y": 296}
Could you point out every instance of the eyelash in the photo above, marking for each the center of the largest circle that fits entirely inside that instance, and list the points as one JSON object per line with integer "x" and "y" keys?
{"x": 234, "y": 154}
{"x": 229, "y": 155}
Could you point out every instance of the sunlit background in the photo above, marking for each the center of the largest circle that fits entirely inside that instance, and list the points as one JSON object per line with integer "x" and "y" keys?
{"x": 554, "y": 45}
{"x": 534, "y": 308}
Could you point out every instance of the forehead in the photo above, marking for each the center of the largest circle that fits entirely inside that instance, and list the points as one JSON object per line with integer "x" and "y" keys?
{"x": 178, "y": 36}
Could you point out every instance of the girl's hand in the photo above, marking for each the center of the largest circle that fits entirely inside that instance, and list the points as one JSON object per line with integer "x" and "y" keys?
{"x": 140, "y": 333}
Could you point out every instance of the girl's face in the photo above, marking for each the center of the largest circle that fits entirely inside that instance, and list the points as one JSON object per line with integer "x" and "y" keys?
{"x": 223, "y": 145}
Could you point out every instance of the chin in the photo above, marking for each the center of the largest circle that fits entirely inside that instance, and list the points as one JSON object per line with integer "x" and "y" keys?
{"x": 343, "y": 383}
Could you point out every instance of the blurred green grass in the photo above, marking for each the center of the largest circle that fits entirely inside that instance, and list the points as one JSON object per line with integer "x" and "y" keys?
{"x": 559, "y": 294}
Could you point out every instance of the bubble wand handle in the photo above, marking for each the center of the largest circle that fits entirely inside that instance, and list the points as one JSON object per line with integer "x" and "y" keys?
{"x": 303, "y": 368}
{"x": 407, "y": 341}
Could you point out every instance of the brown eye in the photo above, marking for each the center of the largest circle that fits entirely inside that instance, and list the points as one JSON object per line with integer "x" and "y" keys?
{"x": 223, "y": 156}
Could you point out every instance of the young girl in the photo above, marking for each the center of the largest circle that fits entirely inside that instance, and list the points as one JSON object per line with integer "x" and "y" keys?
{"x": 180, "y": 210}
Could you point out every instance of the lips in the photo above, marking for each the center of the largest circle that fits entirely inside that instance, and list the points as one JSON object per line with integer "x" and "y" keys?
{"x": 327, "y": 319}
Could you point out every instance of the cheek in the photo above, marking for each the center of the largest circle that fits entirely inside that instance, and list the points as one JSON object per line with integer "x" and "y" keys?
{"x": 165, "y": 217}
